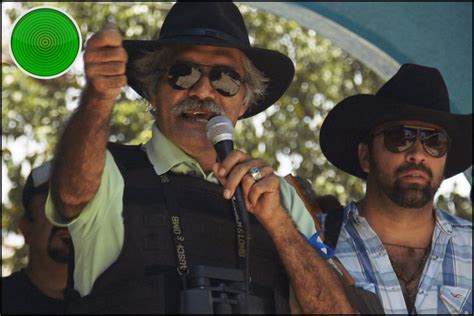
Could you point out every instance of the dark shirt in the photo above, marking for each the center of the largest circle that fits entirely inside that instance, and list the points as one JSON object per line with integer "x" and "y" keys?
{"x": 21, "y": 296}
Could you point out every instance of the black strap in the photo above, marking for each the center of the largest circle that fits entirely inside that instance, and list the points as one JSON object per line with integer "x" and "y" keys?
{"x": 243, "y": 248}
{"x": 363, "y": 301}
{"x": 243, "y": 238}
{"x": 177, "y": 231}
{"x": 332, "y": 226}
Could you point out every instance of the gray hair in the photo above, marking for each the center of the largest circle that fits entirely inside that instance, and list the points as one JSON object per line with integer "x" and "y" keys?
{"x": 152, "y": 66}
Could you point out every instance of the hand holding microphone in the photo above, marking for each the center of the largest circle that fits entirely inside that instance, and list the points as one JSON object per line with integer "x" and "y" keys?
{"x": 251, "y": 181}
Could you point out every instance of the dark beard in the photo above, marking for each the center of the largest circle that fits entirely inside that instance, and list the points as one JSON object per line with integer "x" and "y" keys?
{"x": 412, "y": 195}
{"x": 60, "y": 255}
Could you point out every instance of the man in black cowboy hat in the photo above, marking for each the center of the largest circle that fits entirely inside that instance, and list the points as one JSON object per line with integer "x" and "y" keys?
{"x": 404, "y": 142}
{"x": 153, "y": 231}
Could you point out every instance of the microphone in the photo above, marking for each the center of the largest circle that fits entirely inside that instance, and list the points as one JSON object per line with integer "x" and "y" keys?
{"x": 220, "y": 132}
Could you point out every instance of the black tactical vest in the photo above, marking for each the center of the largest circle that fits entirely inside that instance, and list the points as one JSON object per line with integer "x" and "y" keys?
{"x": 144, "y": 278}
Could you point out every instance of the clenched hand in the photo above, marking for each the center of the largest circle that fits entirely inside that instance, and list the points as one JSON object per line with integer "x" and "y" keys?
{"x": 104, "y": 63}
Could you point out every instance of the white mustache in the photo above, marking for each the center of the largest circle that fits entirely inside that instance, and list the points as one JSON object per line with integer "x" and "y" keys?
{"x": 193, "y": 104}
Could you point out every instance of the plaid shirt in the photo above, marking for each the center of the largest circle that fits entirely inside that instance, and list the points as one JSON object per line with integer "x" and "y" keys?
{"x": 446, "y": 283}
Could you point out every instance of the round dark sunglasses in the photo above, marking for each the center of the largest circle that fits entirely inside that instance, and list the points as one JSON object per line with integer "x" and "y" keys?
{"x": 184, "y": 75}
{"x": 401, "y": 138}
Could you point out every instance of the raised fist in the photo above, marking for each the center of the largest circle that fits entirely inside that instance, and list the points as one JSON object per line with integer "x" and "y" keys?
{"x": 104, "y": 63}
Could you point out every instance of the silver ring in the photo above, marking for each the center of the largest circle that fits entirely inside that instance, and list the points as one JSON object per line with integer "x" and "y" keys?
{"x": 255, "y": 173}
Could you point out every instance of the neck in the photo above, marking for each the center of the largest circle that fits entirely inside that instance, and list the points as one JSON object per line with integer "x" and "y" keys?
{"x": 410, "y": 227}
{"x": 205, "y": 158}
{"x": 49, "y": 277}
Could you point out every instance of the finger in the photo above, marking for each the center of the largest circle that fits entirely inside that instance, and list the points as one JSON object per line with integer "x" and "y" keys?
{"x": 248, "y": 181}
{"x": 108, "y": 36}
{"x": 215, "y": 170}
{"x": 105, "y": 69}
{"x": 240, "y": 171}
{"x": 235, "y": 157}
{"x": 105, "y": 83}
{"x": 269, "y": 184}
{"x": 221, "y": 169}
{"x": 105, "y": 54}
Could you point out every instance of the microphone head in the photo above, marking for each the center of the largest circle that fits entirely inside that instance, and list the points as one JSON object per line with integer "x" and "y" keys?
{"x": 219, "y": 128}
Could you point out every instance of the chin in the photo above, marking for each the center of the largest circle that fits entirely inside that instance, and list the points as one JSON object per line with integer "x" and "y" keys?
{"x": 412, "y": 198}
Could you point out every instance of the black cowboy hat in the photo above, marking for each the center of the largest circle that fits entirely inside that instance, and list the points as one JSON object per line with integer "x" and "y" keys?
{"x": 414, "y": 93}
{"x": 215, "y": 24}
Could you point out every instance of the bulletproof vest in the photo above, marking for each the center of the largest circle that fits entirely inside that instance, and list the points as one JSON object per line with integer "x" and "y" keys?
{"x": 144, "y": 278}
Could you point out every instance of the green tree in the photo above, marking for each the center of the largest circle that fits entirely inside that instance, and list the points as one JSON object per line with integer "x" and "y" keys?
{"x": 34, "y": 111}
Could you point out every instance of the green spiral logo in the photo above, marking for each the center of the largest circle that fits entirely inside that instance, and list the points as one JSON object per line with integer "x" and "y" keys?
{"x": 45, "y": 42}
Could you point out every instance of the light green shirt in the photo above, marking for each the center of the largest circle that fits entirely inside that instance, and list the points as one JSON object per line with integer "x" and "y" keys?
{"x": 98, "y": 232}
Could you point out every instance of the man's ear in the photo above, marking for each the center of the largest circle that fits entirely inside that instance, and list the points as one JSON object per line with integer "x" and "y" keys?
{"x": 25, "y": 225}
{"x": 363, "y": 154}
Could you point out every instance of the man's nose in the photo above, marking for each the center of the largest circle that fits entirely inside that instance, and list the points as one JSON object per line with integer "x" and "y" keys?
{"x": 203, "y": 89}
{"x": 416, "y": 153}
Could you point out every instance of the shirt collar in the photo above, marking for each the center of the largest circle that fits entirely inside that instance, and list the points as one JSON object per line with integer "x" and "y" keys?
{"x": 443, "y": 222}
{"x": 165, "y": 156}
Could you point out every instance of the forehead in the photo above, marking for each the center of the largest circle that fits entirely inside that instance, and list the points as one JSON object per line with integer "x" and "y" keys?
{"x": 211, "y": 55}
{"x": 411, "y": 123}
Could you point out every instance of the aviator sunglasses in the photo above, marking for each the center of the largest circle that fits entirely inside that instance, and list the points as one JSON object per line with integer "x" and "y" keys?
{"x": 401, "y": 138}
{"x": 184, "y": 75}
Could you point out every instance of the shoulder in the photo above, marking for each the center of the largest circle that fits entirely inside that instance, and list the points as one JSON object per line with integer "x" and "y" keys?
{"x": 459, "y": 228}
{"x": 121, "y": 151}
{"x": 128, "y": 156}
{"x": 117, "y": 148}
{"x": 14, "y": 279}
{"x": 296, "y": 208}
{"x": 12, "y": 286}
{"x": 457, "y": 223}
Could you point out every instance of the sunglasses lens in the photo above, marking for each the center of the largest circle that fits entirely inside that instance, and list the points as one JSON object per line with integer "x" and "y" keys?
{"x": 399, "y": 139}
{"x": 225, "y": 80}
{"x": 435, "y": 143}
{"x": 183, "y": 76}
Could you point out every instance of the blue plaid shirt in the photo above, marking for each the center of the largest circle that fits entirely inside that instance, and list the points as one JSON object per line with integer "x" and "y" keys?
{"x": 446, "y": 283}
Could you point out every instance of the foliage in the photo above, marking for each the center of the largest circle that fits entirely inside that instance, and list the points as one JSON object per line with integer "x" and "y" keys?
{"x": 35, "y": 111}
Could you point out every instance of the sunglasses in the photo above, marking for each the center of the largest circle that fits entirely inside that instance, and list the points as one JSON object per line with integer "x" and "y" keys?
{"x": 184, "y": 75}
{"x": 401, "y": 138}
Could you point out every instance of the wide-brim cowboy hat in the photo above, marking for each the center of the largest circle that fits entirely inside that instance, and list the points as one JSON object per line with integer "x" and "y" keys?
{"x": 215, "y": 24}
{"x": 414, "y": 93}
